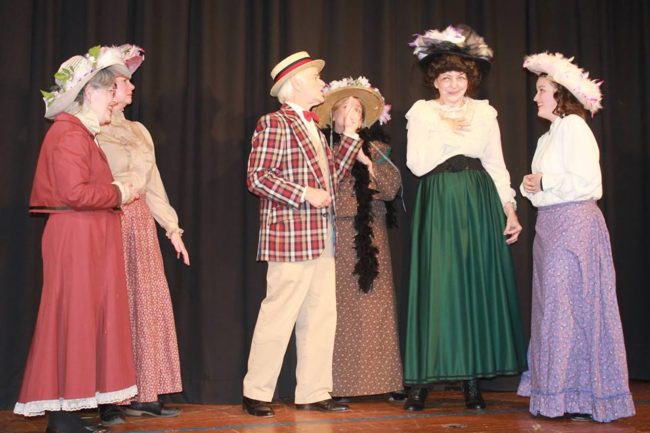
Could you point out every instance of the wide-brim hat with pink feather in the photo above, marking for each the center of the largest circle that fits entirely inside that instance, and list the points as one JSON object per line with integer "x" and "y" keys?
{"x": 576, "y": 80}
{"x": 132, "y": 55}
{"x": 75, "y": 73}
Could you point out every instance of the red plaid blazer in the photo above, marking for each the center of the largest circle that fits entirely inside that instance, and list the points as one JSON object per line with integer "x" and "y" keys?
{"x": 282, "y": 163}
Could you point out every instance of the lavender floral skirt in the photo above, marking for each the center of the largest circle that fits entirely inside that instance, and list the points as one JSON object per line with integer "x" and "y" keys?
{"x": 576, "y": 357}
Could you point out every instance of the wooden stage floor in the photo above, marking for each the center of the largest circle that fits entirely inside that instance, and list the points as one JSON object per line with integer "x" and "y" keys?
{"x": 445, "y": 412}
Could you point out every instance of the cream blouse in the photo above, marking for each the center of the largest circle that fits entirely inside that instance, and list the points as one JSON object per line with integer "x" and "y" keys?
{"x": 130, "y": 152}
{"x": 431, "y": 141}
{"x": 568, "y": 158}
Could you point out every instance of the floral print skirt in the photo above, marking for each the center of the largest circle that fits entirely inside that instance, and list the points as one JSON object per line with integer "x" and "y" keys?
{"x": 576, "y": 355}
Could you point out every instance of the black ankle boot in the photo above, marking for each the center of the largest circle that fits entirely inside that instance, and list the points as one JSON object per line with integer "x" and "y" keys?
{"x": 473, "y": 397}
{"x": 416, "y": 398}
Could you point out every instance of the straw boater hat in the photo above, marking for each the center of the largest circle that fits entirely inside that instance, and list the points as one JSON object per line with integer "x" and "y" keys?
{"x": 562, "y": 71}
{"x": 291, "y": 65}
{"x": 373, "y": 103}
{"x": 460, "y": 40}
{"x": 74, "y": 74}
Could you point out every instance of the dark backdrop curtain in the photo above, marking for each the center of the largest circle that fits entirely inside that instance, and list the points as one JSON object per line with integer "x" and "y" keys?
{"x": 206, "y": 81}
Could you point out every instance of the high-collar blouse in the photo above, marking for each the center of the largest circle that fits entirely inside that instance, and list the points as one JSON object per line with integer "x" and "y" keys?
{"x": 567, "y": 156}
{"x": 130, "y": 152}
{"x": 431, "y": 141}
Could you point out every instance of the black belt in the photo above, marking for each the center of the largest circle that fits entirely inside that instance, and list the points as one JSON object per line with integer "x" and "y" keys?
{"x": 458, "y": 163}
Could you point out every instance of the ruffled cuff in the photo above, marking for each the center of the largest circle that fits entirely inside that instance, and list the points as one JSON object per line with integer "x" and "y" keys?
{"x": 170, "y": 233}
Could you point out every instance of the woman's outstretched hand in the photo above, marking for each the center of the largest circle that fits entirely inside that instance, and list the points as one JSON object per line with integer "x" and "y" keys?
{"x": 179, "y": 246}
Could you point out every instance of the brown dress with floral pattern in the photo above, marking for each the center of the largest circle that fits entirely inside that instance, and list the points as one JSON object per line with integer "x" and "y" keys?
{"x": 366, "y": 350}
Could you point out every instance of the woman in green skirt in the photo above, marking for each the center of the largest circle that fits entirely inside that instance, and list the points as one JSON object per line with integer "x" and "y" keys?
{"x": 463, "y": 315}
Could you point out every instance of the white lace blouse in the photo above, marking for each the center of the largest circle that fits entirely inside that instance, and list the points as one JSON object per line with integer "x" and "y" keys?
{"x": 431, "y": 141}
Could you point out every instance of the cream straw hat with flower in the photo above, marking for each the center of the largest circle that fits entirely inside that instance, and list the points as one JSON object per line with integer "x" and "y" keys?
{"x": 374, "y": 105}
{"x": 74, "y": 74}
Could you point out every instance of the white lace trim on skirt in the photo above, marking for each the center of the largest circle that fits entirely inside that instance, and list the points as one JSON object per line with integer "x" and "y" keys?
{"x": 36, "y": 408}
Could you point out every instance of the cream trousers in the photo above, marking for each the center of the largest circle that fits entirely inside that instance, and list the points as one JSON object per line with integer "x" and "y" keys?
{"x": 301, "y": 294}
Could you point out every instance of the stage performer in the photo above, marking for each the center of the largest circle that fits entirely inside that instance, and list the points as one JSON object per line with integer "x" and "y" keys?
{"x": 577, "y": 354}
{"x": 367, "y": 358}
{"x": 463, "y": 312}
{"x": 80, "y": 354}
{"x": 131, "y": 156}
{"x": 295, "y": 174}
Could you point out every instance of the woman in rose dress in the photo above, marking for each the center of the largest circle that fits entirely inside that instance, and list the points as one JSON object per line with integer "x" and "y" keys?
{"x": 80, "y": 354}
{"x": 130, "y": 151}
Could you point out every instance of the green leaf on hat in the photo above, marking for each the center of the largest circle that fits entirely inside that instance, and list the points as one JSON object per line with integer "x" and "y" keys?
{"x": 64, "y": 74}
{"x": 94, "y": 51}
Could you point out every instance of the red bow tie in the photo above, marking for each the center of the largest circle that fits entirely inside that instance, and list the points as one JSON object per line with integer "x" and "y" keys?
{"x": 310, "y": 115}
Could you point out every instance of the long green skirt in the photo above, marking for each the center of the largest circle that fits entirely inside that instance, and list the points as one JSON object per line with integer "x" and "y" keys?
{"x": 463, "y": 312}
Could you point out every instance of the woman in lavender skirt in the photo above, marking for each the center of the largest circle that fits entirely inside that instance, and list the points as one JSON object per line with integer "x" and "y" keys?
{"x": 576, "y": 355}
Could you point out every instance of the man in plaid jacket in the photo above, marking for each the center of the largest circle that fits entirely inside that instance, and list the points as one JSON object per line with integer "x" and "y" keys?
{"x": 294, "y": 173}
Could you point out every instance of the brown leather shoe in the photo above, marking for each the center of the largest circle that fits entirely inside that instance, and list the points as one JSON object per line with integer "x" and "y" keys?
{"x": 328, "y": 405}
{"x": 257, "y": 407}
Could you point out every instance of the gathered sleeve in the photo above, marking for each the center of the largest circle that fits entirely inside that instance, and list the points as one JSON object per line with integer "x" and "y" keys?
{"x": 387, "y": 180}
{"x": 70, "y": 165}
{"x": 264, "y": 173}
{"x": 495, "y": 165}
{"x": 156, "y": 196}
{"x": 424, "y": 142}
{"x": 579, "y": 174}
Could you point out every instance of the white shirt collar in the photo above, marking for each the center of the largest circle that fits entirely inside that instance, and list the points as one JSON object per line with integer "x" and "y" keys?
{"x": 298, "y": 109}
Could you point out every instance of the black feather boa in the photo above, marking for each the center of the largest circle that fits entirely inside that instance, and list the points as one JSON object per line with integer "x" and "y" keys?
{"x": 367, "y": 265}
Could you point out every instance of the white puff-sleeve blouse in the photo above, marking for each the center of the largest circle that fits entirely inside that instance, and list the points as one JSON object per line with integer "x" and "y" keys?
{"x": 567, "y": 156}
{"x": 431, "y": 141}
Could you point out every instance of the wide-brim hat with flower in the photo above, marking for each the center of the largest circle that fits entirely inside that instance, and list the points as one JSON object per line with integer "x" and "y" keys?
{"x": 374, "y": 105}
{"x": 290, "y": 66}
{"x": 74, "y": 74}
{"x": 576, "y": 80}
{"x": 460, "y": 40}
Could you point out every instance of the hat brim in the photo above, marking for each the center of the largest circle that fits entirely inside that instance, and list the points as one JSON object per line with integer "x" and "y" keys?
{"x": 372, "y": 103}
{"x": 66, "y": 99}
{"x": 316, "y": 63}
